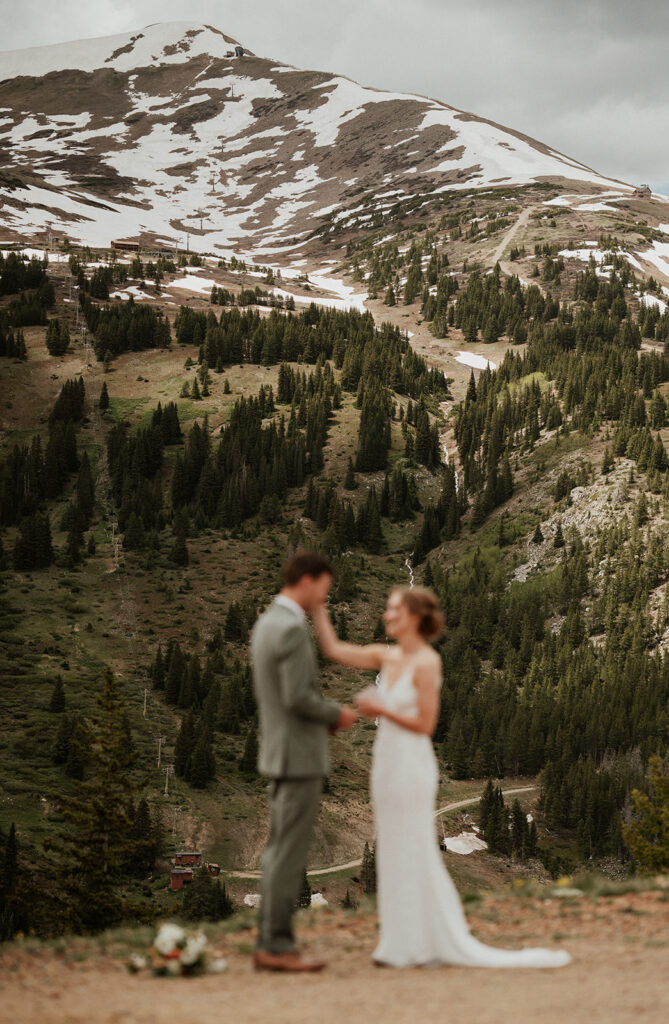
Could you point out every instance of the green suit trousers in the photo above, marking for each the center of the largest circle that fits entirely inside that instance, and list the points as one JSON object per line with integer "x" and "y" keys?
{"x": 293, "y": 808}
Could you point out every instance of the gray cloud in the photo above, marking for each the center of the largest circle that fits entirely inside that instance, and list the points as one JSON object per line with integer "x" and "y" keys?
{"x": 588, "y": 77}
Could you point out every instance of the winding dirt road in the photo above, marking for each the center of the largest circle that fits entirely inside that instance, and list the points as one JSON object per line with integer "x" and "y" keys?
{"x": 510, "y": 235}
{"x": 334, "y": 868}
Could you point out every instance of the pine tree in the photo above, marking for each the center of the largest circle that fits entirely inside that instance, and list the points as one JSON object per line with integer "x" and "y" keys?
{"x": 133, "y": 538}
{"x": 223, "y": 905}
{"x": 374, "y": 432}
{"x": 304, "y": 895}
{"x": 228, "y": 712}
{"x": 57, "y": 702}
{"x": 179, "y": 551}
{"x": 143, "y": 841}
{"x": 203, "y": 763}
{"x": 206, "y": 900}
{"x": 103, "y": 402}
{"x": 184, "y": 745}
{"x": 368, "y": 870}
{"x": 423, "y": 444}
{"x": 248, "y": 761}
{"x": 350, "y": 482}
{"x": 647, "y": 835}
{"x": 519, "y": 831}
{"x": 10, "y": 863}
{"x": 537, "y": 536}
{"x": 641, "y": 511}
{"x": 496, "y": 833}
{"x": 57, "y": 338}
{"x": 61, "y": 743}
{"x": 658, "y": 411}
{"x": 78, "y": 749}
{"x": 33, "y": 548}
{"x": 95, "y": 847}
{"x": 85, "y": 491}
{"x": 349, "y": 902}
{"x": 460, "y": 766}
{"x": 485, "y": 804}
{"x": 158, "y": 671}
{"x": 413, "y": 282}
{"x": 10, "y": 910}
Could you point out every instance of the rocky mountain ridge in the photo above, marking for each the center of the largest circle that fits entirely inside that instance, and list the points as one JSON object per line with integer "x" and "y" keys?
{"x": 177, "y": 130}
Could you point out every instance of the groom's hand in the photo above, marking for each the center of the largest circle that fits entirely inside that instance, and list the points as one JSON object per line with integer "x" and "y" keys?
{"x": 347, "y": 717}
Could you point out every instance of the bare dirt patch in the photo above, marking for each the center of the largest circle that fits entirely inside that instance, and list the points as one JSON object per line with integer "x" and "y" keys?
{"x": 618, "y": 944}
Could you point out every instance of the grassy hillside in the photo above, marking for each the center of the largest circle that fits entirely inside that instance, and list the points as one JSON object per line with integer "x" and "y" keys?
{"x": 118, "y": 606}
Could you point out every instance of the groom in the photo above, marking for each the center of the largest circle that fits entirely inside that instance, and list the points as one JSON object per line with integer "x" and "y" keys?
{"x": 294, "y": 723}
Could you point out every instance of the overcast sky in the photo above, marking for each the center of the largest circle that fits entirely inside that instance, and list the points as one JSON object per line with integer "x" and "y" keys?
{"x": 588, "y": 77}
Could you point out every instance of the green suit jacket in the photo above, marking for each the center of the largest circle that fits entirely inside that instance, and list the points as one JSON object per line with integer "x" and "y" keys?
{"x": 293, "y": 715}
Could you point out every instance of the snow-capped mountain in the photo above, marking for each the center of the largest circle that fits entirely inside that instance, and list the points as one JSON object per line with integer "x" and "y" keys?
{"x": 178, "y": 129}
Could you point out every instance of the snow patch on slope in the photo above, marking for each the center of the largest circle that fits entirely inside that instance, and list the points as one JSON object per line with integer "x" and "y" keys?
{"x": 154, "y": 44}
{"x": 652, "y": 300}
{"x": 658, "y": 256}
{"x": 228, "y": 179}
{"x": 465, "y": 843}
{"x": 343, "y": 104}
{"x": 474, "y": 360}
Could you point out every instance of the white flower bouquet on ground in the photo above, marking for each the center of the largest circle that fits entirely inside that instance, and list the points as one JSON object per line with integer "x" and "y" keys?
{"x": 177, "y": 951}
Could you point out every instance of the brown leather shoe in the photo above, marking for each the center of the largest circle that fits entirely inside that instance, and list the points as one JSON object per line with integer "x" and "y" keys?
{"x": 264, "y": 961}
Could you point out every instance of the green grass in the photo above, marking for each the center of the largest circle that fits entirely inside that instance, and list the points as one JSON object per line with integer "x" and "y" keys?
{"x": 124, "y": 408}
{"x": 515, "y": 386}
{"x": 597, "y": 885}
{"x": 190, "y": 410}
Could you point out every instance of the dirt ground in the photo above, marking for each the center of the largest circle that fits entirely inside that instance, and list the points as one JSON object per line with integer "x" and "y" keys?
{"x": 618, "y": 975}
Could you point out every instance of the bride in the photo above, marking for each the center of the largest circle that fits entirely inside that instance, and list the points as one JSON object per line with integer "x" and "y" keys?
{"x": 420, "y": 915}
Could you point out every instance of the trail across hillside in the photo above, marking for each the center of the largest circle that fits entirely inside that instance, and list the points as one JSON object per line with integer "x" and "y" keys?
{"x": 504, "y": 265}
{"x": 334, "y": 868}
{"x": 499, "y": 251}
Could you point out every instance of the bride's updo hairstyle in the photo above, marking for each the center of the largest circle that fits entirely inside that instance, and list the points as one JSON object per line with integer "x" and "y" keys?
{"x": 423, "y": 602}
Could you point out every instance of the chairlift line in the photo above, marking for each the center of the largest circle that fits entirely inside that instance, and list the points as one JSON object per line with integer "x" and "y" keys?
{"x": 126, "y": 617}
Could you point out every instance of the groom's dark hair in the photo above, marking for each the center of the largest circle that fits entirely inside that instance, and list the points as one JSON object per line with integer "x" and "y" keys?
{"x": 305, "y": 563}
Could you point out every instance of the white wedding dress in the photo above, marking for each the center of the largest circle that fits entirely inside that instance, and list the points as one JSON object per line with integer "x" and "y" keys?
{"x": 420, "y": 915}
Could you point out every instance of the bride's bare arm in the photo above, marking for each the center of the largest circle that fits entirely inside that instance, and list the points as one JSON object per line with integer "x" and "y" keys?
{"x": 369, "y": 656}
{"x": 426, "y": 680}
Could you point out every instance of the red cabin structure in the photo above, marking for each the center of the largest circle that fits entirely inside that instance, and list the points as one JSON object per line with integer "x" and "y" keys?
{"x": 188, "y": 858}
{"x": 180, "y": 877}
